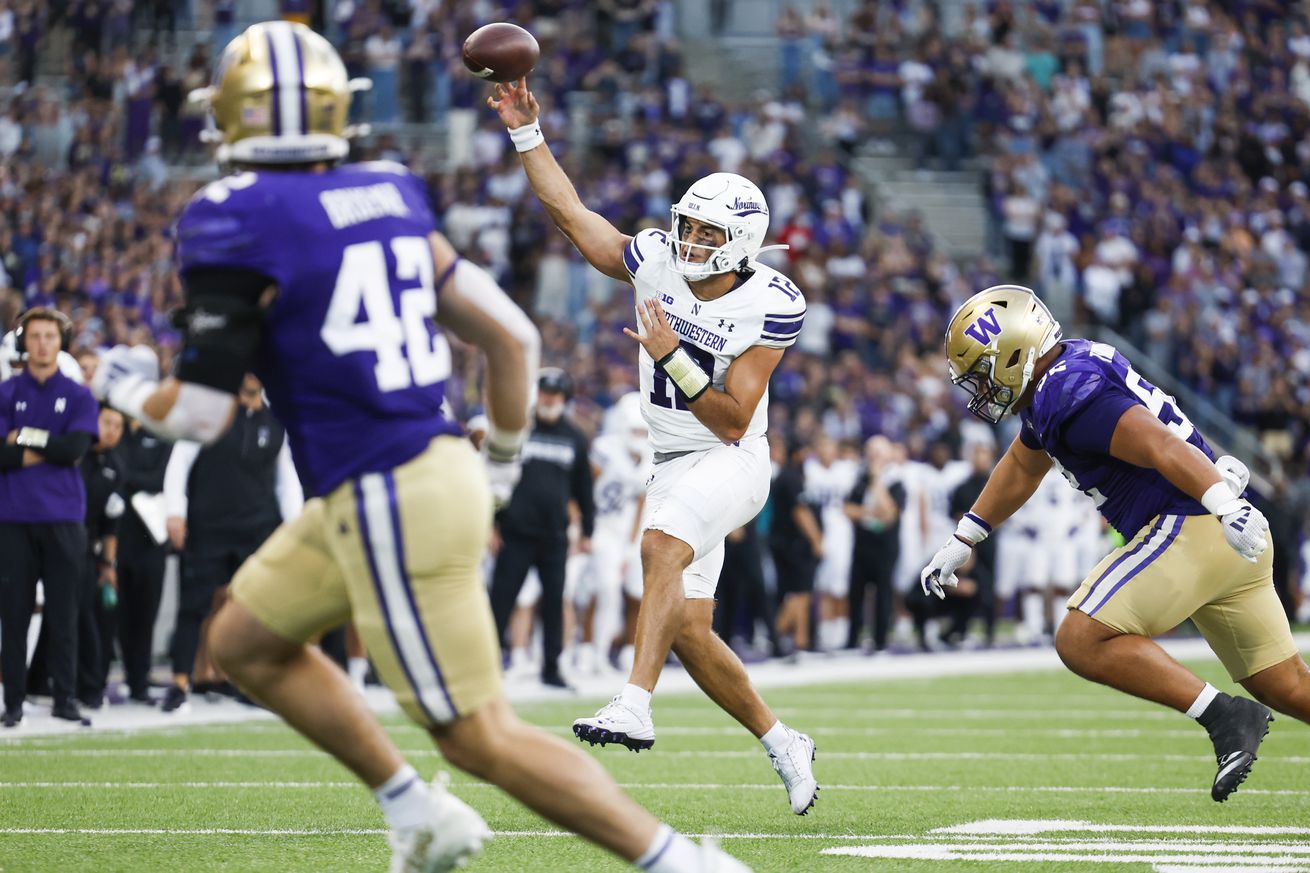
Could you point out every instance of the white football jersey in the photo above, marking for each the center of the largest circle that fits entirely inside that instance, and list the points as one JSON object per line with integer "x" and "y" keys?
{"x": 621, "y": 483}
{"x": 827, "y": 489}
{"x": 766, "y": 310}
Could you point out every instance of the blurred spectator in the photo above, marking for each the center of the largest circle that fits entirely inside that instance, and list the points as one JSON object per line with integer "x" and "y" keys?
{"x": 223, "y": 500}
{"x": 796, "y": 542}
{"x": 874, "y": 506}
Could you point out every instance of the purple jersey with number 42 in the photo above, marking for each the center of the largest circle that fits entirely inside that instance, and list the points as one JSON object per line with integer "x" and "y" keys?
{"x": 352, "y": 362}
{"x": 1074, "y": 411}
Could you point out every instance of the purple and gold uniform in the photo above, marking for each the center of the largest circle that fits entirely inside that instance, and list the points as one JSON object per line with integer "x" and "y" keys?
{"x": 1176, "y": 563}
{"x": 355, "y": 369}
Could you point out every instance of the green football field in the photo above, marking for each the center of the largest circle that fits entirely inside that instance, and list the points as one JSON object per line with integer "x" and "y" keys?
{"x": 1037, "y": 771}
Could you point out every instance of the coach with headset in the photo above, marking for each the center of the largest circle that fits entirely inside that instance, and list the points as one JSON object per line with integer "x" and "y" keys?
{"x": 48, "y": 421}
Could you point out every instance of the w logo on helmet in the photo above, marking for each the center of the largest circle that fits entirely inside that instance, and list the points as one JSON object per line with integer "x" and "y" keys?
{"x": 985, "y": 328}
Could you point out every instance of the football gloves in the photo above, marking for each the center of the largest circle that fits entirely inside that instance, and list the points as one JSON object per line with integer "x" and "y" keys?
{"x": 123, "y": 368}
{"x": 1234, "y": 472}
{"x": 503, "y": 452}
{"x": 1245, "y": 527}
{"x": 940, "y": 572}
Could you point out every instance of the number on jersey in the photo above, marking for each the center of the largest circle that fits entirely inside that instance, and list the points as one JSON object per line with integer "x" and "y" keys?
{"x": 408, "y": 353}
{"x": 665, "y": 394}
{"x": 1163, "y": 406}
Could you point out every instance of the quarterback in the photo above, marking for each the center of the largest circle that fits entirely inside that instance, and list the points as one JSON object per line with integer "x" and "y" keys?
{"x": 325, "y": 279}
{"x": 1195, "y": 548}
{"x": 712, "y": 325}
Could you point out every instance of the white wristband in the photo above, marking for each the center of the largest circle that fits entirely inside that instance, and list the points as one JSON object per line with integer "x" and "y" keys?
{"x": 527, "y": 137}
{"x": 685, "y": 373}
{"x": 1219, "y": 499}
{"x": 502, "y": 445}
{"x": 972, "y": 529}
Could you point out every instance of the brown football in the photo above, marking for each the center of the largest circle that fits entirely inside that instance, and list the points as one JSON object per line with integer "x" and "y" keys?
{"x": 501, "y": 52}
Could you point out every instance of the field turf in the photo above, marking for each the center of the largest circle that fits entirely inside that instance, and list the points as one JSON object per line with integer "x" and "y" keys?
{"x": 899, "y": 762}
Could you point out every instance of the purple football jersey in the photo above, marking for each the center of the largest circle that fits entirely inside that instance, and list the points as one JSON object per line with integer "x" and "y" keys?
{"x": 352, "y": 362}
{"x": 1074, "y": 411}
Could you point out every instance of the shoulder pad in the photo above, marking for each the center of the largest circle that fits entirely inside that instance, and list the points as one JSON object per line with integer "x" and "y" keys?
{"x": 642, "y": 246}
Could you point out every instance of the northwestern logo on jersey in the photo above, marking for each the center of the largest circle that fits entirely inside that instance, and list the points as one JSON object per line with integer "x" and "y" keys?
{"x": 747, "y": 207}
{"x": 697, "y": 334}
{"x": 985, "y": 328}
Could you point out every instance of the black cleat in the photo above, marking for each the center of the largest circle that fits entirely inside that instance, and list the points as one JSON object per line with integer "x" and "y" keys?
{"x": 175, "y": 700}
{"x": 67, "y": 711}
{"x": 1236, "y": 727}
{"x": 12, "y": 716}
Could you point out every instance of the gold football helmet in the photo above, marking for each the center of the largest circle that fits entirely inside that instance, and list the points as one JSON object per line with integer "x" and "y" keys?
{"x": 992, "y": 344}
{"x": 280, "y": 96}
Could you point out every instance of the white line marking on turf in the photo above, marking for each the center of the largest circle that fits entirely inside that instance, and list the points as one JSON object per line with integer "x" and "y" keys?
{"x": 1269, "y": 863}
{"x": 1032, "y": 827}
{"x": 736, "y": 786}
{"x": 316, "y": 832}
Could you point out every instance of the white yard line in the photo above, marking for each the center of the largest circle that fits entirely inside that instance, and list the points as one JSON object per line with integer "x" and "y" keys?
{"x": 1030, "y": 827}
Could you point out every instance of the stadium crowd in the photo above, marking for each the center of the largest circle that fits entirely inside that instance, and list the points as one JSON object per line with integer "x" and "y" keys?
{"x": 1149, "y": 160}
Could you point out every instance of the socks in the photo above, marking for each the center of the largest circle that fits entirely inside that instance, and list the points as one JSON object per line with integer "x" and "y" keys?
{"x": 404, "y": 799}
{"x": 669, "y": 852}
{"x": 357, "y": 669}
{"x": 1201, "y": 705}
{"x": 776, "y": 738}
{"x": 635, "y": 697}
{"x": 1034, "y": 615}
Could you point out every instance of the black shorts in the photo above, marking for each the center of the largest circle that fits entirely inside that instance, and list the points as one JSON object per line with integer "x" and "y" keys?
{"x": 795, "y": 568}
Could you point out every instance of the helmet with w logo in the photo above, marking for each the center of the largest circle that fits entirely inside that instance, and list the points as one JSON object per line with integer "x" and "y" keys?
{"x": 992, "y": 344}
{"x": 280, "y": 96}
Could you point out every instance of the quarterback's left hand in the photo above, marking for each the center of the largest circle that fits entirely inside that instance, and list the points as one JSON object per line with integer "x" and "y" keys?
{"x": 1246, "y": 529}
{"x": 123, "y": 366}
{"x": 656, "y": 337}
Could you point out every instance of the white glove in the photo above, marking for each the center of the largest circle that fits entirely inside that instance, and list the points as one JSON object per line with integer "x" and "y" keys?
{"x": 1244, "y": 525}
{"x": 940, "y": 572}
{"x": 503, "y": 451}
{"x": 1234, "y": 472}
{"x": 123, "y": 368}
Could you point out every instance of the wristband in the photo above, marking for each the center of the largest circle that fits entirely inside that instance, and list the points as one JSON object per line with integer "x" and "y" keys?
{"x": 503, "y": 446}
{"x": 32, "y": 437}
{"x": 527, "y": 137}
{"x": 972, "y": 529}
{"x": 690, "y": 378}
{"x": 1219, "y": 500}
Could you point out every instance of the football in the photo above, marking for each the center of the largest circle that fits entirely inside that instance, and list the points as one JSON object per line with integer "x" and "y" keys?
{"x": 501, "y": 52}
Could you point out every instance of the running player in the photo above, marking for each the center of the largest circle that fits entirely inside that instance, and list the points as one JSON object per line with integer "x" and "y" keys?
{"x": 712, "y": 325}
{"x": 1196, "y": 549}
{"x": 324, "y": 279}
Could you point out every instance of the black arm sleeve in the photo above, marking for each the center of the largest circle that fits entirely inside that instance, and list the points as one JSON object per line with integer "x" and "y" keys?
{"x": 223, "y": 324}
{"x": 11, "y": 456}
{"x": 66, "y": 449}
{"x": 582, "y": 487}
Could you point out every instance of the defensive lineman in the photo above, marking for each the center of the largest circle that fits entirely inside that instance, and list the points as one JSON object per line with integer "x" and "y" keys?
{"x": 325, "y": 279}
{"x": 1195, "y": 548}
{"x": 712, "y": 325}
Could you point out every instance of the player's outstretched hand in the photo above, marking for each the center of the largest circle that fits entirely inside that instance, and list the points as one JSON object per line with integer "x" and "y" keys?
{"x": 122, "y": 366}
{"x": 940, "y": 572}
{"x": 656, "y": 336}
{"x": 514, "y": 103}
{"x": 1245, "y": 528}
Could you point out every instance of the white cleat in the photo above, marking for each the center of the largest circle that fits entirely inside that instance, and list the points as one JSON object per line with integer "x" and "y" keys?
{"x": 616, "y": 722}
{"x": 795, "y": 765}
{"x": 715, "y": 860}
{"x": 451, "y": 838}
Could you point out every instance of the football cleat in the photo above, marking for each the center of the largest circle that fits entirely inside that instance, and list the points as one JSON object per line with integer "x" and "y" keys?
{"x": 616, "y": 722}
{"x": 1236, "y": 732}
{"x": 451, "y": 838}
{"x": 795, "y": 765}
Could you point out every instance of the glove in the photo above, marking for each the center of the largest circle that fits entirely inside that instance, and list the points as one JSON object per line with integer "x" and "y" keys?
{"x": 1234, "y": 472}
{"x": 1244, "y": 525}
{"x": 503, "y": 476}
{"x": 940, "y": 572}
{"x": 123, "y": 368}
{"x": 1245, "y": 528}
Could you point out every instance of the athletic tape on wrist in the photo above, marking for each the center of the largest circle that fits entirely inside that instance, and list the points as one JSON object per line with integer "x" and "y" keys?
{"x": 690, "y": 378}
{"x": 1219, "y": 499}
{"x": 972, "y": 529}
{"x": 527, "y": 137}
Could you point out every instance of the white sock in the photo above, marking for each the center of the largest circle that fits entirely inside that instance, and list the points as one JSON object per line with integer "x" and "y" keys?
{"x": 357, "y": 669}
{"x": 1198, "y": 707}
{"x": 775, "y": 738}
{"x": 637, "y": 698}
{"x": 669, "y": 852}
{"x": 404, "y": 799}
{"x": 1034, "y": 617}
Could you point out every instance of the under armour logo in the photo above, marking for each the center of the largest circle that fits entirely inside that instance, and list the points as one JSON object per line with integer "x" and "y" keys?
{"x": 985, "y": 328}
{"x": 723, "y": 321}
{"x": 60, "y": 403}
{"x": 20, "y": 406}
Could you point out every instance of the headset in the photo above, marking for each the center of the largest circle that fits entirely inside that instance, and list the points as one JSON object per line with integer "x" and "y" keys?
{"x": 65, "y": 328}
